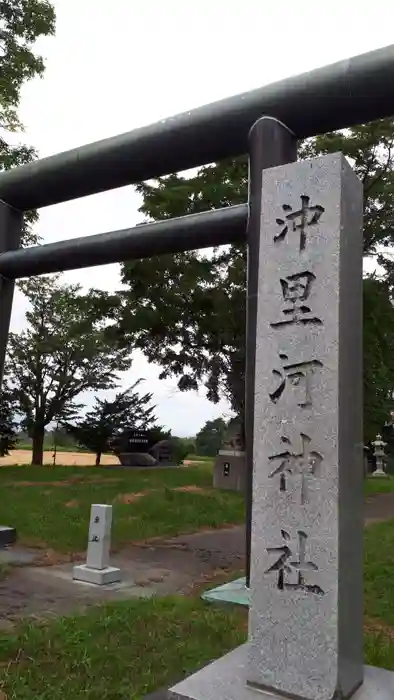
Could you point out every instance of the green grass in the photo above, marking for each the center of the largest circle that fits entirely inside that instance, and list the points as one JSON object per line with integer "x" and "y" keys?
{"x": 123, "y": 651}
{"x": 117, "y": 651}
{"x": 42, "y": 517}
{"x": 379, "y": 571}
{"x": 375, "y": 485}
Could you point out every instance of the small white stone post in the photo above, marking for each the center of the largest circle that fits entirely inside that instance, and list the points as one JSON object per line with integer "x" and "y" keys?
{"x": 379, "y": 455}
{"x": 97, "y": 569}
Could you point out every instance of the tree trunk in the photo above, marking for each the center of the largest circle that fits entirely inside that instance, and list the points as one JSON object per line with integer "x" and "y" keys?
{"x": 38, "y": 445}
{"x": 98, "y": 459}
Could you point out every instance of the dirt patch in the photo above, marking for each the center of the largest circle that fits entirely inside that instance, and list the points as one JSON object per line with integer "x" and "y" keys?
{"x": 39, "y": 592}
{"x": 52, "y": 558}
{"x": 378, "y": 627}
{"x": 72, "y": 459}
{"x": 379, "y": 507}
{"x": 191, "y": 489}
{"x": 129, "y": 498}
{"x": 133, "y": 497}
{"x": 72, "y": 504}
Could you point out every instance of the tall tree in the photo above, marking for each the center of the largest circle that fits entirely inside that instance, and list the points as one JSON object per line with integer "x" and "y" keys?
{"x": 210, "y": 438}
{"x": 98, "y": 427}
{"x": 22, "y": 22}
{"x": 8, "y": 425}
{"x": 187, "y": 311}
{"x": 62, "y": 352}
{"x": 378, "y": 355}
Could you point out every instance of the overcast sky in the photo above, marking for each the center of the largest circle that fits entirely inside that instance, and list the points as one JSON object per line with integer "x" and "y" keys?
{"x": 116, "y": 66}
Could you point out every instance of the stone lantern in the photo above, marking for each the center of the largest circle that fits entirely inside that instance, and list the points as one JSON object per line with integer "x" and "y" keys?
{"x": 378, "y": 451}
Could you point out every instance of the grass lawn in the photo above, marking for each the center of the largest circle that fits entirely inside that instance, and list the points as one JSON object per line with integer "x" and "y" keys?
{"x": 50, "y": 506}
{"x": 123, "y": 651}
{"x": 375, "y": 485}
{"x": 379, "y": 571}
{"x": 118, "y": 651}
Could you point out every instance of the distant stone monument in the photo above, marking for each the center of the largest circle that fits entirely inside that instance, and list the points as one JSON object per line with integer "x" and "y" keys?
{"x": 97, "y": 569}
{"x": 132, "y": 448}
{"x": 306, "y": 615}
{"x": 140, "y": 448}
{"x": 163, "y": 453}
{"x": 380, "y": 458}
{"x": 229, "y": 470}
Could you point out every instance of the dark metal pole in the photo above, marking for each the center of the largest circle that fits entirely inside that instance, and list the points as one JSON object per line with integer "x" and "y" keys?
{"x": 11, "y": 222}
{"x": 353, "y": 91}
{"x": 270, "y": 143}
{"x": 210, "y": 228}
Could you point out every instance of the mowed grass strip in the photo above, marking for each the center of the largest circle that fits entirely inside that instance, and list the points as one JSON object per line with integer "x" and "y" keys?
{"x": 123, "y": 651}
{"x": 50, "y": 507}
{"x": 117, "y": 651}
{"x": 375, "y": 485}
{"x": 379, "y": 571}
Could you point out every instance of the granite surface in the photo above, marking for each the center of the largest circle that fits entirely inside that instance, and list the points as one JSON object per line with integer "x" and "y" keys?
{"x": 305, "y": 619}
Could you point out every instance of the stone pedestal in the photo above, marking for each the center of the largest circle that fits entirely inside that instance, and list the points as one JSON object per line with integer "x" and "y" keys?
{"x": 380, "y": 473}
{"x": 229, "y": 471}
{"x": 226, "y": 679}
{"x": 98, "y": 577}
{"x": 97, "y": 569}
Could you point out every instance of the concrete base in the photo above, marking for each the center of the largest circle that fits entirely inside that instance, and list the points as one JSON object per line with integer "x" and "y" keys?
{"x": 380, "y": 473}
{"x": 229, "y": 471}
{"x": 234, "y": 592}
{"x": 99, "y": 577}
{"x": 225, "y": 679}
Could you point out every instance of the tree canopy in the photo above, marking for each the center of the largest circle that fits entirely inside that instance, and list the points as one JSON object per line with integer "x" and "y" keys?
{"x": 210, "y": 438}
{"x": 62, "y": 352}
{"x": 187, "y": 311}
{"x": 98, "y": 427}
{"x": 8, "y": 425}
{"x": 22, "y": 22}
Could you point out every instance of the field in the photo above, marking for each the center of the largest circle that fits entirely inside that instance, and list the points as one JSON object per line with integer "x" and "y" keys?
{"x": 79, "y": 459}
{"x": 50, "y": 506}
{"x": 22, "y": 456}
{"x": 126, "y": 649}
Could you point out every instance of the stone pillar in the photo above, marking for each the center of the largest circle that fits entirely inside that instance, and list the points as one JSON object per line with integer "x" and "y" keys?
{"x": 229, "y": 471}
{"x": 11, "y": 222}
{"x": 97, "y": 569}
{"x": 306, "y": 616}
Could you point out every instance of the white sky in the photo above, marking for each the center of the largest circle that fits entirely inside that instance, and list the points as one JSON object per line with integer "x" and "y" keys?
{"x": 116, "y": 66}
